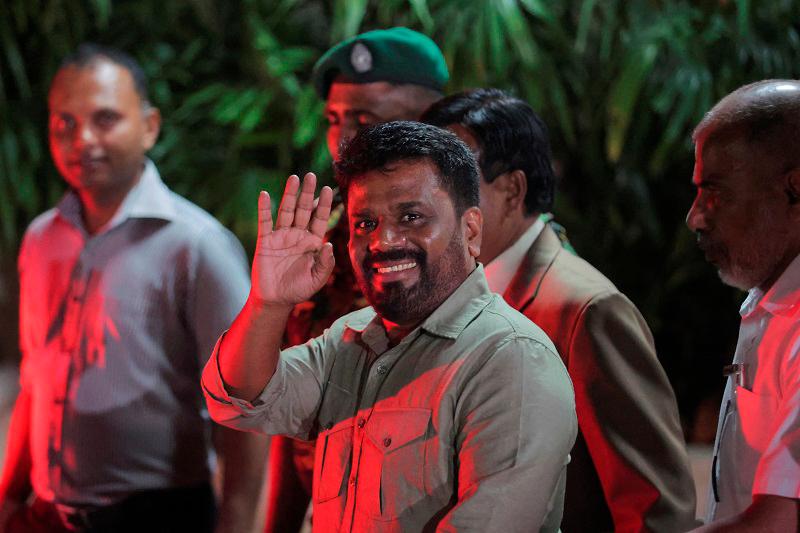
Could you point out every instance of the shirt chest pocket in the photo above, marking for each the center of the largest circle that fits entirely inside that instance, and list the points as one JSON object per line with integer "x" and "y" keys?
{"x": 757, "y": 414}
{"x": 393, "y": 461}
{"x": 331, "y": 458}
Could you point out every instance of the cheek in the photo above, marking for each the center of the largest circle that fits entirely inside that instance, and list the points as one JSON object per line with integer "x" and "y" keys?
{"x": 356, "y": 251}
{"x": 333, "y": 136}
{"x": 59, "y": 148}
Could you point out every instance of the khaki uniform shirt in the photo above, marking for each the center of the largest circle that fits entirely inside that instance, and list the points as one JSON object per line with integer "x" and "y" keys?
{"x": 466, "y": 424}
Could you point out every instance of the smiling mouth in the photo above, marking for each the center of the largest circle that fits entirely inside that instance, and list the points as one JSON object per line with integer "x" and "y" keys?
{"x": 396, "y": 268}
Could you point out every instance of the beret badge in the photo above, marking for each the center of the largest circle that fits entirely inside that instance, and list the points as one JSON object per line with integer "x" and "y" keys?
{"x": 361, "y": 58}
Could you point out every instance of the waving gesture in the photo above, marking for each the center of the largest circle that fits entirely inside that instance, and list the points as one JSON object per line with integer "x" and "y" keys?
{"x": 292, "y": 262}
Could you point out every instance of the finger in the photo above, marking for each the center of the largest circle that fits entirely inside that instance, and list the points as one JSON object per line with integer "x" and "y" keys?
{"x": 289, "y": 200}
{"x": 264, "y": 213}
{"x": 324, "y": 263}
{"x": 305, "y": 203}
{"x": 322, "y": 213}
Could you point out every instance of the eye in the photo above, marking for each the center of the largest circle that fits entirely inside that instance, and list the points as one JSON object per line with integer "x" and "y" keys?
{"x": 364, "y": 119}
{"x": 62, "y": 124}
{"x": 410, "y": 217}
{"x": 106, "y": 119}
{"x": 332, "y": 119}
{"x": 363, "y": 225}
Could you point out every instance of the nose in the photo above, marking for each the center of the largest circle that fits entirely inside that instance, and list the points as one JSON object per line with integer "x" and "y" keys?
{"x": 387, "y": 237}
{"x": 347, "y": 131}
{"x": 696, "y": 217}
{"x": 85, "y": 135}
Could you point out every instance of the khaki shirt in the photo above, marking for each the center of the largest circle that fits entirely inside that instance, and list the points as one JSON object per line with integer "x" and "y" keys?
{"x": 466, "y": 424}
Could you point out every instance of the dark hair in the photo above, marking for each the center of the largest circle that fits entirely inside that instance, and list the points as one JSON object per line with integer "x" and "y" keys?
{"x": 88, "y": 53}
{"x": 510, "y": 134}
{"x": 379, "y": 146}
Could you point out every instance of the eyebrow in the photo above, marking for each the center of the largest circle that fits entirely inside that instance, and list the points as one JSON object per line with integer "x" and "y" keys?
{"x": 398, "y": 207}
{"x": 407, "y": 205}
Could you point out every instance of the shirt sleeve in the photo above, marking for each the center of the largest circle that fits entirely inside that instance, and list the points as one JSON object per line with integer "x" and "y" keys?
{"x": 516, "y": 424}
{"x": 220, "y": 286}
{"x": 288, "y": 404}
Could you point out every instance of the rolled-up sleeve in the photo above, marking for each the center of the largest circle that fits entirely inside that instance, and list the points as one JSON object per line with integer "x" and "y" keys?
{"x": 516, "y": 427}
{"x": 289, "y": 402}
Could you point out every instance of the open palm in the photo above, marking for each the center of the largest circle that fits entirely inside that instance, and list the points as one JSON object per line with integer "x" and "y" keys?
{"x": 292, "y": 262}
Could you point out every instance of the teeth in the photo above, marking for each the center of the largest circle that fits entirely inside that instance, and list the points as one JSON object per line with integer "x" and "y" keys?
{"x": 396, "y": 268}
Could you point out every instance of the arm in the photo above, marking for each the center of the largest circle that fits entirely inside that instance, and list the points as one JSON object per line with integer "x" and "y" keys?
{"x": 280, "y": 254}
{"x": 515, "y": 425}
{"x": 629, "y": 419}
{"x": 242, "y": 462}
{"x": 766, "y": 514}
{"x": 291, "y": 263}
{"x": 15, "y": 485}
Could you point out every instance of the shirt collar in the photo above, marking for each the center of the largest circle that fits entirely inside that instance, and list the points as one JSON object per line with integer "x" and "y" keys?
{"x": 448, "y": 320}
{"x": 149, "y": 198}
{"x": 782, "y": 298}
{"x": 501, "y": 270}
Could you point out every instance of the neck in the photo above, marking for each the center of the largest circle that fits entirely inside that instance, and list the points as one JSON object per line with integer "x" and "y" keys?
{"x": 521, "y": 226}
{"x": 99, "y": 206}
{"x": 779, "y": 269}
{"x": 512, "y": 229}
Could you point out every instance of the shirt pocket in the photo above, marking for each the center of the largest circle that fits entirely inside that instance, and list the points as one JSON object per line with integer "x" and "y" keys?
{"x": 391, "y": 474}
{"x": 757, "y": 417}
{"x": 332, "y": 456}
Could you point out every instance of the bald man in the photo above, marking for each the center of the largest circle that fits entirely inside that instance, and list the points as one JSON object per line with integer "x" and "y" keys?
{"x": 747, "y": 219}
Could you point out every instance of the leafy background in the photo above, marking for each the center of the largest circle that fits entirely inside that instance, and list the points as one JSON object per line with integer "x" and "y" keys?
{"x": 620, "y": 82}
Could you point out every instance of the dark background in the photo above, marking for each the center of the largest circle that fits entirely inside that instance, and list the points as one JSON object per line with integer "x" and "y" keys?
{"x": 620, "y": 83}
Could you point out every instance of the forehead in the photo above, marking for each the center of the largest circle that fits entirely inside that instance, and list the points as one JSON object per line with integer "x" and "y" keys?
{"x": 100, "y": 83}
{"x": 730, "y": 160}
{"x": 380, "y": 98}
{"x": 403, "y": 182}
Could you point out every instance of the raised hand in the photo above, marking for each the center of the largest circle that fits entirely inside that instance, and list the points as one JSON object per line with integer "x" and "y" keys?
{"x": 291, "y": 261}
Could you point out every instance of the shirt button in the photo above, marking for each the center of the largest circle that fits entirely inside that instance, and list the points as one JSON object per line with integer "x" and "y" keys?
{"x": 329, "y": 425}
{"x": 382, "y": 369}
{"x": 361, "y": 422}
{"x": 387, "y": 442}
{"x": 353, "y": 480}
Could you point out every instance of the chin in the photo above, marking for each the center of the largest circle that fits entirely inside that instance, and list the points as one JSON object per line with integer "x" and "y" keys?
{"x": 733, "y": 281}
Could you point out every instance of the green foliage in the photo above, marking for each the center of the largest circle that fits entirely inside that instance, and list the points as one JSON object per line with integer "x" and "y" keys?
{"x": 621, "y": 84}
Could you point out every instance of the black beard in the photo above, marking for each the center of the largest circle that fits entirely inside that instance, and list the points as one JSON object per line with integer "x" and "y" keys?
{"x": 404, "y": 305}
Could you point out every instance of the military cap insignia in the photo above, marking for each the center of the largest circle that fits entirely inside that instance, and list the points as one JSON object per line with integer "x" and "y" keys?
{"x": 361, "y": 58}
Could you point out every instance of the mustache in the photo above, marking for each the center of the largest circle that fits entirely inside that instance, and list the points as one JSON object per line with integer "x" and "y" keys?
{"x": 393, "y": 255}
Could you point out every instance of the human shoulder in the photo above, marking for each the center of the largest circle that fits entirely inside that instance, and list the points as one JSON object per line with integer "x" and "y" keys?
{"x": 356, "y": 320}
{"x": 41, "y": 224}
{"x": 40, "y": 232}
{"x": 575, "y": 280}
{"x": 506, "y": 326}
{"x": 195, "y": 220}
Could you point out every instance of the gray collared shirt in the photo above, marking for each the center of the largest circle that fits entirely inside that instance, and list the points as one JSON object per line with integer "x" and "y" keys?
{"x": 466, "y": 424}
{"x": 114, "y": 329}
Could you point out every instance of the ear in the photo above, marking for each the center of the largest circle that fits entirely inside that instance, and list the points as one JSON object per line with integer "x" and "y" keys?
{"x": 515, "y": 186}
{"x": 792, "y": 186}
{"x": 152, "y": 124}
{"x": 472, "y": 225}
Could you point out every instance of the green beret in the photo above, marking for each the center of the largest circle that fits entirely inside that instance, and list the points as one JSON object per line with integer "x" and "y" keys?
{"x": 396, "y": 55}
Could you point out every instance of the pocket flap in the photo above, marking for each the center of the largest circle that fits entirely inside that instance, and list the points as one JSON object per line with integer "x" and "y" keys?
{"x": 389, "y": 429}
